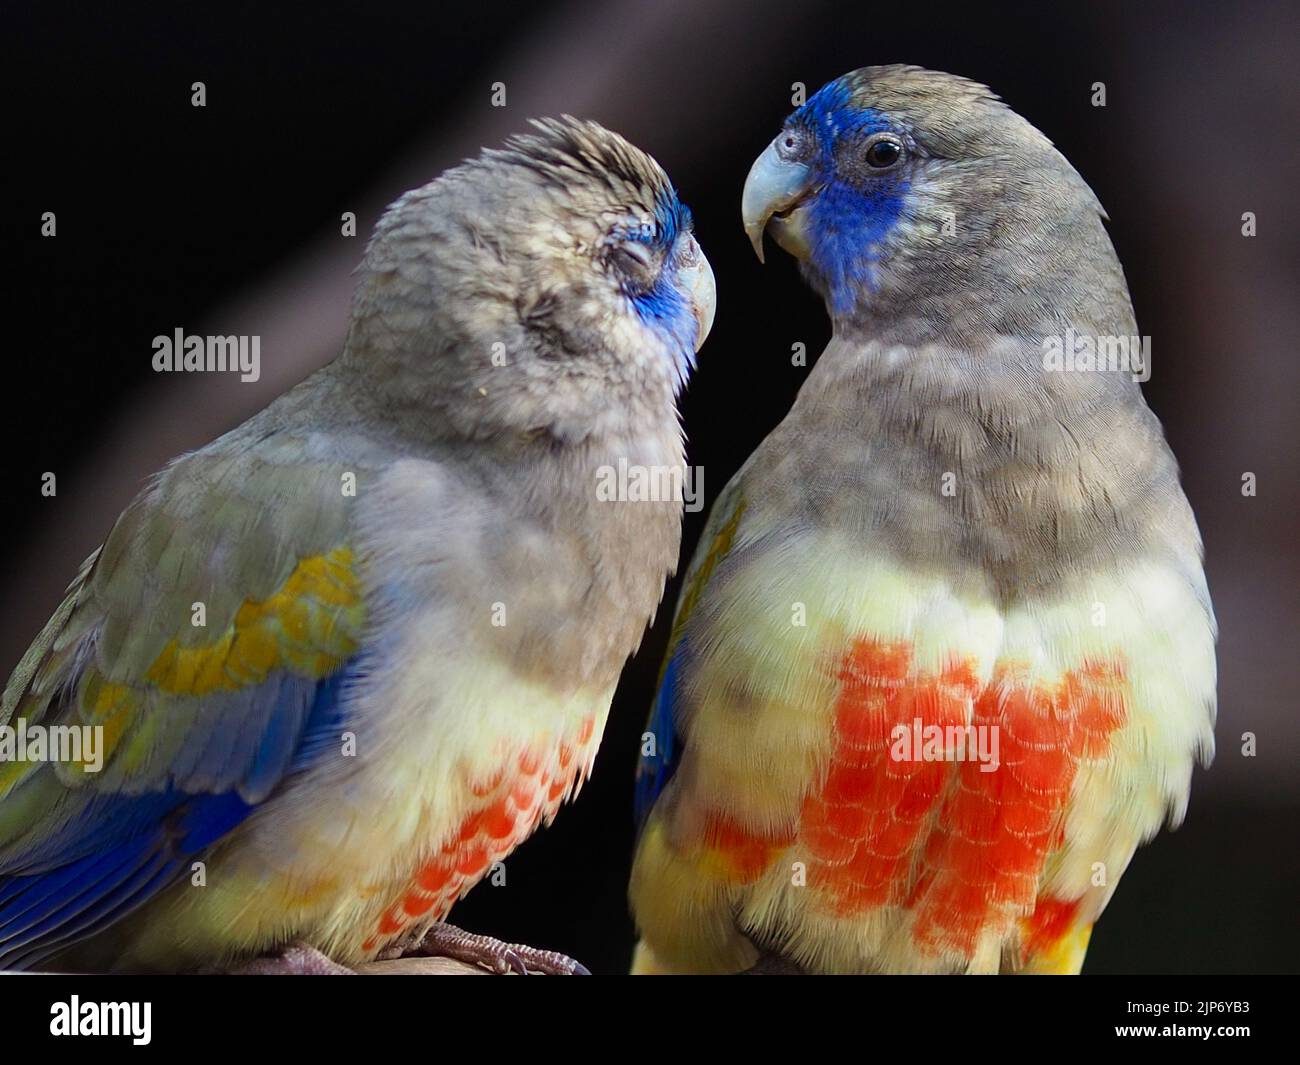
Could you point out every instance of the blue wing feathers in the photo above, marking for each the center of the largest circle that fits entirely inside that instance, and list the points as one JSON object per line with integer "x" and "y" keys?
{"x": 143, "y": 873}
{"x": 116, "y": 851}
{"x": 46, "y": 909}
{"x": 655, "y": 770}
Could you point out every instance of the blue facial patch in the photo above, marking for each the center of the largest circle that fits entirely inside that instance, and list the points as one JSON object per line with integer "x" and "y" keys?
{"x": 663, "y": 306}
{"x": 847, "y": 220}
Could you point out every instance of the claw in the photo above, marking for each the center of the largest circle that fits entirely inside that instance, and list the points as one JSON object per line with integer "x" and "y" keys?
{"x": 447, "y": 941}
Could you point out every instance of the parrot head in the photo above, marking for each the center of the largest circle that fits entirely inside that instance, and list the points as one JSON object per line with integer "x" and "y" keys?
{"x": 895, "y": 182}
{"x": 629, "y": 245}
{"x": 553, "y": 283}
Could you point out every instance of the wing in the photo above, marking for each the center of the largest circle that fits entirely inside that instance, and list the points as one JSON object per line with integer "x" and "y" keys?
{"x": 659, "y": 760}
{"x": 198, "y": 658}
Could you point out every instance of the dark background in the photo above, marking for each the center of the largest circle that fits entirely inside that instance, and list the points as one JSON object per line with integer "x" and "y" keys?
{"x": 226, "y": 219}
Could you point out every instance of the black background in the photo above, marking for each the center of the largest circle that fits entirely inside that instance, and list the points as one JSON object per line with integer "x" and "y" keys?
{"x": 169, "y": 215}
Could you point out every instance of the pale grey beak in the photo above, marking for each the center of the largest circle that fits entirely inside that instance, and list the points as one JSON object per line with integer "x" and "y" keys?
{"x": 773, "y": 193}
{"x": 697, "y": 279}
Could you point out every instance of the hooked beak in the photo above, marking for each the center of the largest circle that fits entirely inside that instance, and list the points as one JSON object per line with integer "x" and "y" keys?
{"x": 774, "y": 194}
{"x": 696, "y": 277}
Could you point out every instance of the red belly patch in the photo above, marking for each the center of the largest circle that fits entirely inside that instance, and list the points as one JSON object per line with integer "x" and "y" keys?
{"x": 1050, "y": 922}
{"x": 745, "y": 855}
{"x": 985, "y": 857}
{"x": 862, "y": 828}
{"x": 961, "y": 848}
{"x": 514, "y": 800}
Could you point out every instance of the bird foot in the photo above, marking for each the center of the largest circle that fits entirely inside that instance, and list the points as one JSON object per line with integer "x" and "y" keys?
{"x": 447, "y": 941}
{"x": 297, "y": 959}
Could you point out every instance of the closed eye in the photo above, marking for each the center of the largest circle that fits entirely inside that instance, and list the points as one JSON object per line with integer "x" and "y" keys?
{"x": 636, "y": 261}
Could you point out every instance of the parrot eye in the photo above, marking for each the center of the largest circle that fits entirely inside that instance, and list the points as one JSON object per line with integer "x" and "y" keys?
{"x": 636, "y": 262}
{"x": 794, "y": 144}
{"x": 883, "y": 151}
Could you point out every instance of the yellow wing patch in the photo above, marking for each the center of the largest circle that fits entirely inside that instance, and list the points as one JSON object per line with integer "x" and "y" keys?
{"x": 718, "y": 549}
{"x": 296, "y": 629}
{"x": 309, "y": 627}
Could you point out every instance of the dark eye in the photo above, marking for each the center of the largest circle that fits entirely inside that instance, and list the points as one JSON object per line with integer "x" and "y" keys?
{"x": 883, "y": 153}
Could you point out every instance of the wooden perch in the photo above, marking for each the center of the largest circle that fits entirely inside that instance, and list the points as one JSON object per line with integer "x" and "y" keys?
{"x": 421, "y": 967}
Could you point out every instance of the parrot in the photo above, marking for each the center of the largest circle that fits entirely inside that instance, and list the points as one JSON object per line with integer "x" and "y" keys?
{"x": 343, "y": 659}
{"x": 944, "y": 658}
